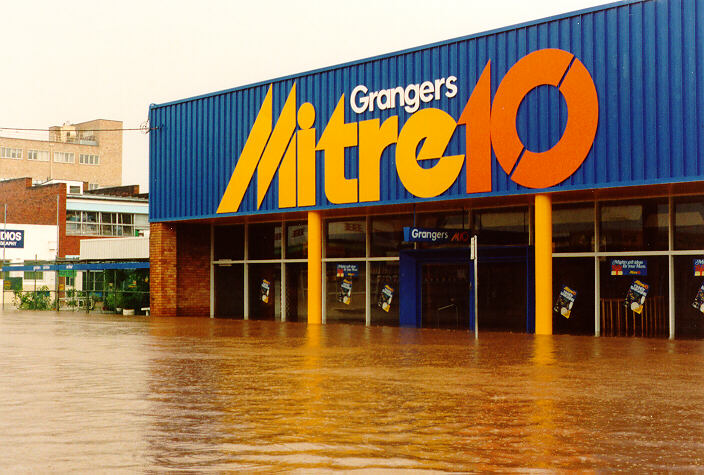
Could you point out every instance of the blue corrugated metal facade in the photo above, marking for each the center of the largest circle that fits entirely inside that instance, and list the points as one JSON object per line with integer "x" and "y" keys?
{"x": 646, "y": 60}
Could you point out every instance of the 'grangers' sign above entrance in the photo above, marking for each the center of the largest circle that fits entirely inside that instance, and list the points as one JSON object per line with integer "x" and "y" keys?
{"x": 289, "y": 146}
{"x": 436, "y": 236}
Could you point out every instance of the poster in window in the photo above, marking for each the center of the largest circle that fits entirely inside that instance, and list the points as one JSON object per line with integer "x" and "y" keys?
{"x": 699, "y": 299}
{"x": 347, "y": 271}
{"x": 344, "y": 292}
{"x": 629, "y": 267}
{"x": 565, "y": 301}
{"x": 385, "y": 297}
{"x": 635, "y": 297}
{"x": 698, "y": 267}
{"x": 265, "y": 288}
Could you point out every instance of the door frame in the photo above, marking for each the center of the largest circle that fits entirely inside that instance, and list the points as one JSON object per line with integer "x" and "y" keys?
{"x": 410, "y": 278}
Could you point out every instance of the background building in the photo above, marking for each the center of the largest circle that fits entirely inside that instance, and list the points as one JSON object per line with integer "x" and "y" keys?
{"x": 88, "y": 152}
{"x": 114, "y": 272}
{"x": 45, "y": 225}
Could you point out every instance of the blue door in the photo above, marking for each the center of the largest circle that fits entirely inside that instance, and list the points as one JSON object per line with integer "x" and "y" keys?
{"x": 437, "y": 289}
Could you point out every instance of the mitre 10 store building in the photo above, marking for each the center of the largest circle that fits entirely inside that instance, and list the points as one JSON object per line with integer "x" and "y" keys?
{"x": 540, "y": 178}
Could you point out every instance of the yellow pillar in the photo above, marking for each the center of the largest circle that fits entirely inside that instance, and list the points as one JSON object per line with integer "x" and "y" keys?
{"x": 315, "y": 256}
{"x": 543, "y": 265}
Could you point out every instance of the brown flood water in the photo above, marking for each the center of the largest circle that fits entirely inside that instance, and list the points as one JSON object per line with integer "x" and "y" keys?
{"x": 86, "y": 393}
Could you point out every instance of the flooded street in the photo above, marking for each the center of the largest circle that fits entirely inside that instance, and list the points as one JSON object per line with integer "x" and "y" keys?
{"x": 110, "y": 393}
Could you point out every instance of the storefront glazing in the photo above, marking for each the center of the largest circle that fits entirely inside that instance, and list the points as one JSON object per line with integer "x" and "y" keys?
{"x": 650, "y": 244}
{"x": 655, "y": 242}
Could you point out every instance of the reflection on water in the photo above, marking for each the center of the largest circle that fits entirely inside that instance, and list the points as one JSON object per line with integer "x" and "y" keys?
{"x": 84, "y": 392}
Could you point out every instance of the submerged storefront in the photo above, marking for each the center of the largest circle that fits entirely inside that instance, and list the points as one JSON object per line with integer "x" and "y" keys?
{"x": 570, "y": 148}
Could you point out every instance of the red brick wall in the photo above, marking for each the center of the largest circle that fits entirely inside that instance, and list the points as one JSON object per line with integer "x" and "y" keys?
{"x": 179, "y": 257}
{"x": 72, "y": 244}
{"x": 28, "y": 205}
{"x": 193, "y": 249}
{"x": 162, "y": 270}
{"x": 125, "y": 191}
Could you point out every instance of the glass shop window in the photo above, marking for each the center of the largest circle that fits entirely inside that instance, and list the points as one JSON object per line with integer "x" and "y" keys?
{"x": 296, "y": 292}
{"x": 229, "y": 290}
{"x": 265, "y": 291}
{"x": 264, "y": 241}
{"x": 573, "y": 228}
{"x": 297, "y": 240}
{"x": 689, "y": 223}
{"x": 387, "y": 235}
{"x": 634, "y": 296}
{"x": 573, "y": 295}
{"x": 634, "y": 226}
{"x": 346, "y": 238}
{"x": 229, "y": 242}
{"x": 345, "y": 296}
{"x": 501, "y": 227}
{"x": 689, "y": 296}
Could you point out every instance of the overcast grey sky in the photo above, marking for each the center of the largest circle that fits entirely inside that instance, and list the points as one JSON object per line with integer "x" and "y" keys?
{"x": 81, "y": 60}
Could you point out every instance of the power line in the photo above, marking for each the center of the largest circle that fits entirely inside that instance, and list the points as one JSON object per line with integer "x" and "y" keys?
{"x": 143, "y": 129}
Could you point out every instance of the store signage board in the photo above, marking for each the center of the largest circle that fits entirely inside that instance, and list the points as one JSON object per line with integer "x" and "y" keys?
{"x": 436, "y": 236}
{"x": 289, "y": 143}
{"x": 12, "y": 239}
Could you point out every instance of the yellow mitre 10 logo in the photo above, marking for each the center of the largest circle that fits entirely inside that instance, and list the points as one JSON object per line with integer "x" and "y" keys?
{"x": 487, "y": 125}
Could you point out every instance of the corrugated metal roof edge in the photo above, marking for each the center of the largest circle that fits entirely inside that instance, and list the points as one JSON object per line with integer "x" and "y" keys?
{"x": 349, "y": 206}
{"x": 134, "y": 199}
{"x": 516, "y": 26}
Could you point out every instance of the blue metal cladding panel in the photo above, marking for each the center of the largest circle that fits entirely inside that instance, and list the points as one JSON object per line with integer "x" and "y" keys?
{"x": 646, "y": 59}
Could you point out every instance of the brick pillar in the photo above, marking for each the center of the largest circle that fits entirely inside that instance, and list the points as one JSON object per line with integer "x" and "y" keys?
{"x": 194, "y": 270}
{"x": 163, "y": 269}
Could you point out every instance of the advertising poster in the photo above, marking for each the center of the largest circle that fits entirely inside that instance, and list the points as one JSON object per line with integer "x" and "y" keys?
{"x": 698, "y": 267}
{"x": 385, "y": 297}
{"x": 565, "y": 301}
{"x": 635, "y": 297}
{"x": 344, "y": 291}
{"x": 629, "y": 267}
{"x": 345, "y": 271}
{"x": 699, "y": 299}
{"x": 265, "y": 288}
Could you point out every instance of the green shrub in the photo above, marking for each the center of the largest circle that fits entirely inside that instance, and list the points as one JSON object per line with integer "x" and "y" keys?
{"x": 37, "y": 300}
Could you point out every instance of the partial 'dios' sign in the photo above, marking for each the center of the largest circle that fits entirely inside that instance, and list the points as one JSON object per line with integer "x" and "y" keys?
{"x": 11, "y": 238}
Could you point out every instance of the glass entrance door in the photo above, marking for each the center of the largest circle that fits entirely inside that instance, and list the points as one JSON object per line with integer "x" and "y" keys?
{"x": 502, "y": 298}
{"x": 445, "y": 296}
{"x": 229, "y": 291}
{"x": 438, "y": 286}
